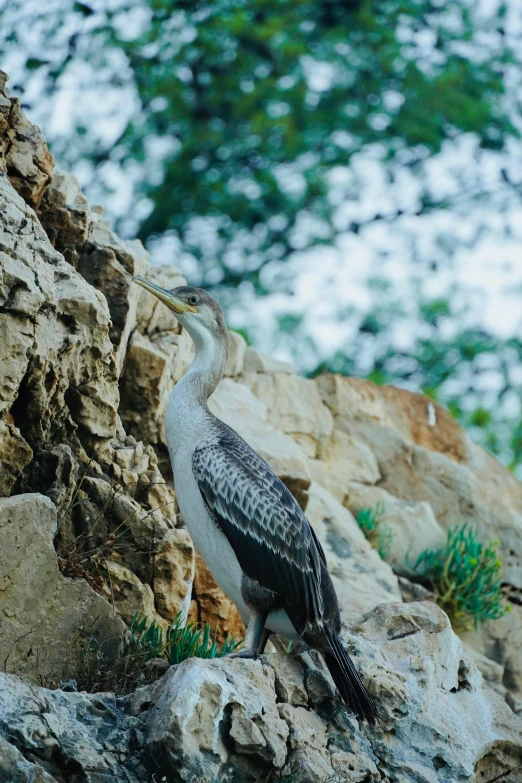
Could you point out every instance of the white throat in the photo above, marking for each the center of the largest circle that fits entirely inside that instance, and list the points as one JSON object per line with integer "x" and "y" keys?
{"x": 187, "y": 409}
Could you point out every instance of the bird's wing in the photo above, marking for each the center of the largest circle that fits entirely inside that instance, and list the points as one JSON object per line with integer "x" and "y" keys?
{"x": 270, "y": 535}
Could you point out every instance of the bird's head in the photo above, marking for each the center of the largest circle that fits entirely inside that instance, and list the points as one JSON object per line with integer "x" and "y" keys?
{"x": 197, "y": 310}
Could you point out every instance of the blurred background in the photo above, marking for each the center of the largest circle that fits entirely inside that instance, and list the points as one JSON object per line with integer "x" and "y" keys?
{"x": 345, "y": 175}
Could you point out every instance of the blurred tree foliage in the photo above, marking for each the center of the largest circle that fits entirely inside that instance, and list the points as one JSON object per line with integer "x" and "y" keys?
{"x": 265, "y": 97}
{"x": 242, "y": 113}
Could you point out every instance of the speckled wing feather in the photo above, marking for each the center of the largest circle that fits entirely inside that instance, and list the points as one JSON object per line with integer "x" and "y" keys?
{"x": 265, "y": 526}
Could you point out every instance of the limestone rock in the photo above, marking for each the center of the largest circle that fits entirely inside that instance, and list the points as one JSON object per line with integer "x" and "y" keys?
{"x": 361, "y": 579}
{"x": 173, "y": 574}
{"x": 184, "y": 727}
{"x": 51, "y": 736}
{"x": 236, "y": 354}
{"x": 412, "y": 526}
{"x": 345, "y": 458}
{"x": 65, "y": 215}
{"x": 108, "y": 263}
{"x": 40, "y": 610}
{"x": 294, "y": 406}
{"x": 257, "y": 361}
{"x": 24, "y": 154}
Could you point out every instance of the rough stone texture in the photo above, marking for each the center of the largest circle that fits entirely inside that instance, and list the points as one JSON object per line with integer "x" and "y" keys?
{"x": 236, "y": 354}
{"x": 61, "y": 350}
{"x": 257, "y": 361}
{"x": 412, "y": 526}
{"x": 40, "y": 610}
{"x": 268, "y": 720}
{"x": 433, "y": 478}
{"x": 294, "y": 406}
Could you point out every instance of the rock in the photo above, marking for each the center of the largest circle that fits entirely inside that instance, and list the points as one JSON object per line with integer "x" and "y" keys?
{"x": 430, "y": 693}
{"x": 184, "y": 727}
{"x": 130, "y": 596}
{"x": 344, "y": 459}
{"x": 173, "y": 574}
{"x": 65, "y": 215}
{"x": 108, "y": 263}
{"x": 361, "y": 579}
{"x": 24, "y": 154}
{"x": 235, "y": 404}
{"x": 52, "y": 736}
{"x": 257, "y": 361}
{"x": 236, "y": 354}
{"x": 42, "y": 612}
{"x": 294, "y": 406}
{"x": 243, "y": 720}
{"x": 412, "y": 526}
{"x": 417, "y": 419}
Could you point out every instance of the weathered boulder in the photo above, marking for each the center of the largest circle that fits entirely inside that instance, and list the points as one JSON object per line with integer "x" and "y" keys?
{"x": 42, "y": 612}
{"x": 61, "y": 350}
{"x": 232, "y": 719}
{"x": 294, "y": 406}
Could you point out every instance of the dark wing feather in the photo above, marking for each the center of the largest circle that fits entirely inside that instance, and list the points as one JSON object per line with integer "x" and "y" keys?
{"x": 265, "y": 526}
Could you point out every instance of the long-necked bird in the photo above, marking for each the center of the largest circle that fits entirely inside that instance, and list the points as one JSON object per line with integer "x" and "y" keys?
{"x": 252, "y": 534}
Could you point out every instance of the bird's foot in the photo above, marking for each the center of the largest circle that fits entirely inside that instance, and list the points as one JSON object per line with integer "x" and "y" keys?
{"x": 246, "y": 652}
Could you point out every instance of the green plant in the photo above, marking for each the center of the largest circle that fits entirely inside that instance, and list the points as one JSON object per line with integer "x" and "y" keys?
{"x": 378, "y": 534}
{"x": 466, "y": 577}
{"x": 180, "y": 641}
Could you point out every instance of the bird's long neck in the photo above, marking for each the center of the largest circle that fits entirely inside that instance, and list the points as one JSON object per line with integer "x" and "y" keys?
{"x": 206, "y": 370}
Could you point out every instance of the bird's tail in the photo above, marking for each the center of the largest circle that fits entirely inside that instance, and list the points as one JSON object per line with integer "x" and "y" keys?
{"x": 348, "y": 681}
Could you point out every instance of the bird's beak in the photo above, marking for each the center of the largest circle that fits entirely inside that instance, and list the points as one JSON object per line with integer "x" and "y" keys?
{"x": 167, "y": 297}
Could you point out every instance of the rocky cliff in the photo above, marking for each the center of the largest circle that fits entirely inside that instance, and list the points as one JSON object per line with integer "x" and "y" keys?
{"x": 90, "y": 534}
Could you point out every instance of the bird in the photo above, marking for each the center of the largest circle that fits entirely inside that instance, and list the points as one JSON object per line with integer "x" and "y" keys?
{"x": 252, "y": 534}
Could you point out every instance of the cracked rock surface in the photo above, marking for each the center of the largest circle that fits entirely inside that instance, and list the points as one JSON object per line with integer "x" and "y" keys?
{"x": 277, "y": 719}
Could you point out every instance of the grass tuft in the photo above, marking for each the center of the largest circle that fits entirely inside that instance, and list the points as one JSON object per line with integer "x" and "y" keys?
{"x": 378, "y": 534}
{"x": 180, "y": 641}
{"x": 466, "y": 577}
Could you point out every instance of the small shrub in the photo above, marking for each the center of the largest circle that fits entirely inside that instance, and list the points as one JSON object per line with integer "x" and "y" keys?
{"x": 466, "y": 577}
{"x": 378, "y": 534}
{"x": 180, "y": 641}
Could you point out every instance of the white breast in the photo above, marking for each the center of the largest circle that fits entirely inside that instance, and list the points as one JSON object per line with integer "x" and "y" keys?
{"x": 210, "y": 542}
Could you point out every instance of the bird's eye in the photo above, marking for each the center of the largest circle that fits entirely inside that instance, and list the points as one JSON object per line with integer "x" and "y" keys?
{"x": 193, "y": 300}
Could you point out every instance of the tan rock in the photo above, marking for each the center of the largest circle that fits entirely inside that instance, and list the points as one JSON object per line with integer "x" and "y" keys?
{"x": 236, "y": 354}
{"x": 294, "y": 406}
{"x": 24, "y": 154}
{"x": 174, "y": 574}
{"x": 361, "y": 579}
{"x": 412, "y": 526}
{"x": 417, "y": 418}
{"x": 344, "y": 459}
{"x": 108, "y": 263}
{"x": 42, "y": 612}
{"x": 129, "y": 595}
{"x": 257, "y": 361}
{"x": 189, "y": 705}
{"x": 65, "y": 215}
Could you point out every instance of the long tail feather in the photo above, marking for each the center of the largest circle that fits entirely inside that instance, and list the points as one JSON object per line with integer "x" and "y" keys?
{"x": 348, "y": 681}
